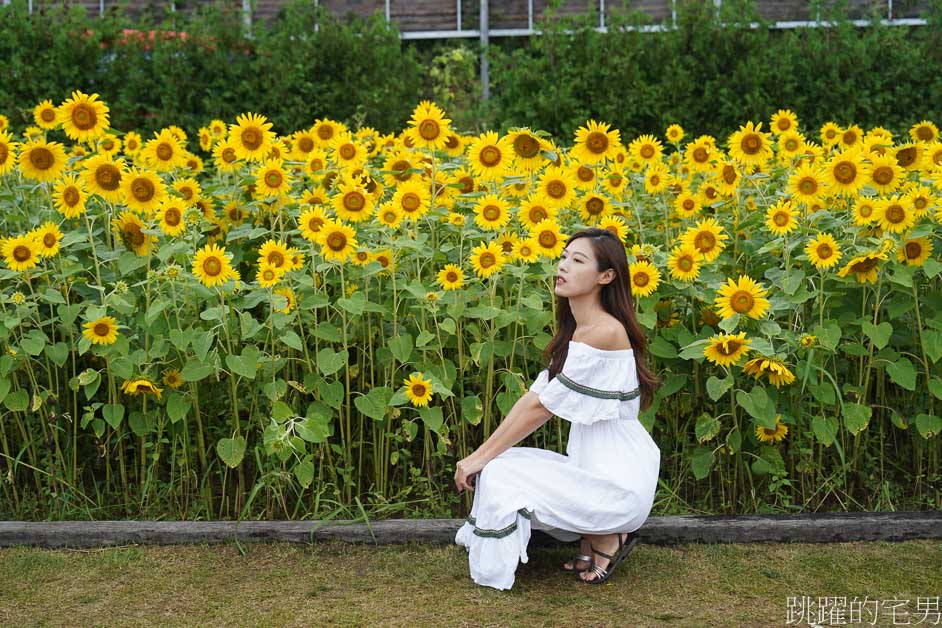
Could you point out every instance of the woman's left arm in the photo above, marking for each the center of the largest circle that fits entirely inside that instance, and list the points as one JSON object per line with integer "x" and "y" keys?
{"x": 524, "y": 418}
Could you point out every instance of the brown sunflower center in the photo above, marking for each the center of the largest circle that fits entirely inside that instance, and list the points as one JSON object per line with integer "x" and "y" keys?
{"x": 48, "y": 115}
{"x": 429, "y": 129}
{"x": 229, "y": 155}
{"x": 925, "y": 133}
{"x": 701, "y": 155}
{"x": 597, "y": 142}
{"x": 865, "y": 210}
{"x": 792, "y": 145}
{"x": 252, "y": 138}
{"x": 490, "y": 156}
{"x": 641, "y": 278}
{"x": 276, "y": 259}
{"x": 730, "y": 347}
{"x": 305, "y": 144}
{"x": 41, "y": 158}
{"x": 418, "y": 390}
{"x": 108, "y": 177}
{"x": 452, "y": 142}
{"x": 781, "y": 219}
{"x": 824, "y": 251}
{"x": 134, "y": 235}
{"x": 556, "y": 189}
{"x": 84, "y": 117}
{"x": 585, "y": 174}
{"x": 172, "y": 216}
{"x": 274, "y": 179}
{"x": 895, "y": 213}
{"x": 850, "y": 137}
{"x": 348, "y": 151}
{"x": 688, "y": 204}
{"x": 71, "y": 196}
{"x": 143, "y": 189}
{"x": 615, "y": 180}
{"x": 164, "y": 151}
{"x": 920, "y": 202}
{"x": 883, "y": 175}
{"x": 647, "y": 151}
{"x": 107, "y": 144}
{"x": 49, "y": 240}
{"x": 212, "y": 266}
{"x": 913, "y": 250}
{"x": 808, "y": 185}
{"x": 547, "y": 239}
{"x": 451, "y": 276}
{"x": 22, "y": 253}
{"x": 685, "y": 263}
{"x": 751, "y": 143}
{"x": 594, "y": 206}
{"x": 491, "y": 212}
{"x": 783, "y": 124}
{"x": 864, "y": 266}
{"x": 742, "y": 301}
{"x": 337, "y": 241}
{"x": 325, "y": 131}
{"x": 411, "y": 201}
{"x": 654, "y": 179}
{"x": 705, "y": 241}
{"x": 538, "y": 213}
{"x": 4, "y": 153}
{"x": 354, "y": 201}
{"x": 845, "y": 172}
{"x": 729, "y": 174}
{"x": 487, "y": 259}
{"x": 102, "y": 329}
{"x": 906, "y": 156}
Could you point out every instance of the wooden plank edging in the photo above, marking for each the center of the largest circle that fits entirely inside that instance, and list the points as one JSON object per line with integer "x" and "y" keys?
{"x": 664, "y": 530}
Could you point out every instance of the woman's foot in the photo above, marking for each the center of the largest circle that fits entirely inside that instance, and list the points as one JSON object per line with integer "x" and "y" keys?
{"x": 580, "y": 564}
{"x": 607, "y": 543}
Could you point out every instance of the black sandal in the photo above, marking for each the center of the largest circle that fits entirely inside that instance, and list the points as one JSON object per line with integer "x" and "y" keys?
{"x": 575, "y": 559}
{"x": 603, "y": 574}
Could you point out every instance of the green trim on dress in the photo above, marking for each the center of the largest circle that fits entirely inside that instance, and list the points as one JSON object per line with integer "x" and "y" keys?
{"x": 498, "y": 534}
{"x": 595, "y": 392}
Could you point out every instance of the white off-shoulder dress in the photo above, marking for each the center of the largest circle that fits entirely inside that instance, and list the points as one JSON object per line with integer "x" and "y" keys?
{"x": 605, "y": 483}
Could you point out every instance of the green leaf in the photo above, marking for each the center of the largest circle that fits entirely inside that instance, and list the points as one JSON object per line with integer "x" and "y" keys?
{"x": 155, "y": 310}
{"x": 231, "y": 450}
{"x": 647, "y": 318}
{"x": 758, "y": 404}
{"x": 856, "y": 417}
{"x": 245, "y": 364}
{"x": 202, "y": 341}
{"x": 141, "y": 424}
{"x": 707, "y": 428}
{"x": 701, "y": 462}
{"x": 34, "y": 342}
{"x": 401, "y": 347}
{"x": 717, "y": 387}
{"x": 17, "y": 401}
{"x": 194, "y": 371}
{"x": 425, "y": 337}
{"x": 292, "y": 340}
{"x": 432, "y": 417}
{"x": 903, "y": 373}
{"x": 180, "y": 339}
{"x": 662, "y": 348}
{"x": 374, "y": 403}
{"x": 734, "y": 440}
{"x": 68, "y": 314}
{"x": 695, "y": 349}
{"x": 332, "y": 393}
{"x": 304, "y": 472}
{"x": 932, "y": 343}
{"x": 729, "y": 324}
{"x": 178, "y": 406}
{"x": 471, "y": 409}
{"x": 829, "y": 335}
{"x": 280, "y": 411}
{"x": 4, "y": 387}
{"x": 330, "y": 361}
{"x": 355, "y": 304}
{"x": 58, "y": 353}
{"x": 935, "y": 387}
{"x": 879, "y": 335}
{"x": 769, "y": 461}
{"x": 928, "y": 425}
{"x": 825, "y": 429}
{"x": 113, "y": 414}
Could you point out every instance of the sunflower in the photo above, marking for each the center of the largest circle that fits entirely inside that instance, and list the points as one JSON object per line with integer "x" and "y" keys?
{"x": 807, "y": 340}
{"x": 170, "y": 215}
{"x": 141, "y": 386}
{"x": 909, "y": 155}
{"x": 251, "y": 137}
{"x": 386, "y": 259}
{"x": 164, "y": 152}
{"x": 657, "y": 178}
{"x": 776, "y": 370}
{"x": 645, "y": 278}
{"x": 725, "y": 349}
{"x": 727, "y": 177}
{"x": 766, "y": 435}
{"x": 303, "y": 144}
{"x": 311, "y": 222}
{"x": 454, "y": 144}
{"x": 347, "y": 152}
{"x": 47, "y": 237}
{"x": 780, "y": 218}
{"x": 412, "y": 199}
{"x": 674, "y": 133}
{"x": 391, "y": 216}
{"x": 69, "y": 196}
{"x": 708, "y": 194}
{"x": 102, "y": 176}
{"x": 361, "y": 257}
{"x": 133, "y": 143}
{"x": 699, "y": 154}
{"x": 109, "y": 144}
{"x": 352, "y": 202}
{"x": 687, "y": 205}
{"x": 863, "y": 266}
{"x": 865, "y": 211}
{"x": 83, "y": 117}
{"x": 923, "y": 131}
{"x": 684, "y": 262}
{"x": 583, "y": 176}
{"x": 226, "y": 156}
{"x": 745, "y": 297}
{"x": 791, "y": 144}
{"x": 616, "y": 225}
{"x": 212, "y": 267}
{"x": 527, "y": 250}
{"x": 823, "y": 251}
{"x": 851, "y": 137}
{"x": 418, "y": 389}
{"x": 594, "y": 207}
{"x": 7, "y": 152}
{"x": 400, "y": 167}
{"x": 143, "y": 190}
{"x": 271, "y": 179}
{"x": 491, "y": 212}
{"x": 750, "y": 146}
{"x": 428, "y": 126}
{"x": 783, "y": 121}
{"x": 325, "y": 130}
{"x": 527, "y": 149}
{"x": 337, "y": 240}
{"x": 21, "y": 253}
{"x": 102, "y": 331}
{"x": 451, "y": 277}
{"x": 172, "y": 378}
{"x": 884, "y": 174}
{"x": 490, "y": 155}
{"x": 267, "y": 275}
{"x": 914, "y": 252}
{"x": 130, "y": 229}
{"x": 45, "y": 115}
{"x": 557, "y": 186}
{"x": 614, "y": 182}
{"x": 275, "y": 254}
{"x": 933, "y": 158}
{"x": 846, "y": 173}
{"x": 831, "y": 133}
{"x": 920, "y": 198}
{"x": 41, "y": 160}
{"x": 595, "y": 142}
{"x": 288, "y": 294}
{"x": 646, "y": 148}
{"x": 487, "y": 259}
{"x": 535, "y": 209}
{"x": 895, "y": 214}
{"x": 707, "y": 237}
{"x": 549, "y": 238}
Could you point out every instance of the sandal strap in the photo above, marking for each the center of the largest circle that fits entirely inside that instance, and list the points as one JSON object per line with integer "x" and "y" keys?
{"x": 595, "y": 551}
{"x": 582, "y": 557}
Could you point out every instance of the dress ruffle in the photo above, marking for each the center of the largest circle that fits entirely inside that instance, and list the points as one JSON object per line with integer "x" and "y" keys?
{"x": 493, "y": 554}
{"x": 608, "y": 371}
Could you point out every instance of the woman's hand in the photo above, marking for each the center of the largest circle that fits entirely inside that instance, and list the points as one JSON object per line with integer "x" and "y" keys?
{"x": 466, "y": 471}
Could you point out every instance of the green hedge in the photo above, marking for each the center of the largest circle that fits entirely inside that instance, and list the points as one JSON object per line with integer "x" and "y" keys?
{"x": 707, "y": 76}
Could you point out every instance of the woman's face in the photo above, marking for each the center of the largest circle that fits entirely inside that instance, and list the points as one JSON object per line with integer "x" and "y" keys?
{"x": 577, "y": 272}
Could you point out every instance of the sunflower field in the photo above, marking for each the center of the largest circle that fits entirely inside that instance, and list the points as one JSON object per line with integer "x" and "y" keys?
{"x": 322, "y": 322}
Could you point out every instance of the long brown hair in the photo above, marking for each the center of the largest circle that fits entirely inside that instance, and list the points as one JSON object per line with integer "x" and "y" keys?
{"x": 616, "y": 299}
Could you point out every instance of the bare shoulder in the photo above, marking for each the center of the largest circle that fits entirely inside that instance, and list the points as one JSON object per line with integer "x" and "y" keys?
{"x": 610, "y": 336}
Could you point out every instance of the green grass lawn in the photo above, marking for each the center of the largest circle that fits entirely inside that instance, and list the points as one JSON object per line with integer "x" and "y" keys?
{"x": 418, "y": 585}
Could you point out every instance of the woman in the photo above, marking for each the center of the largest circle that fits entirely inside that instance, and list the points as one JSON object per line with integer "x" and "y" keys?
{"x": 597, "y": 379}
